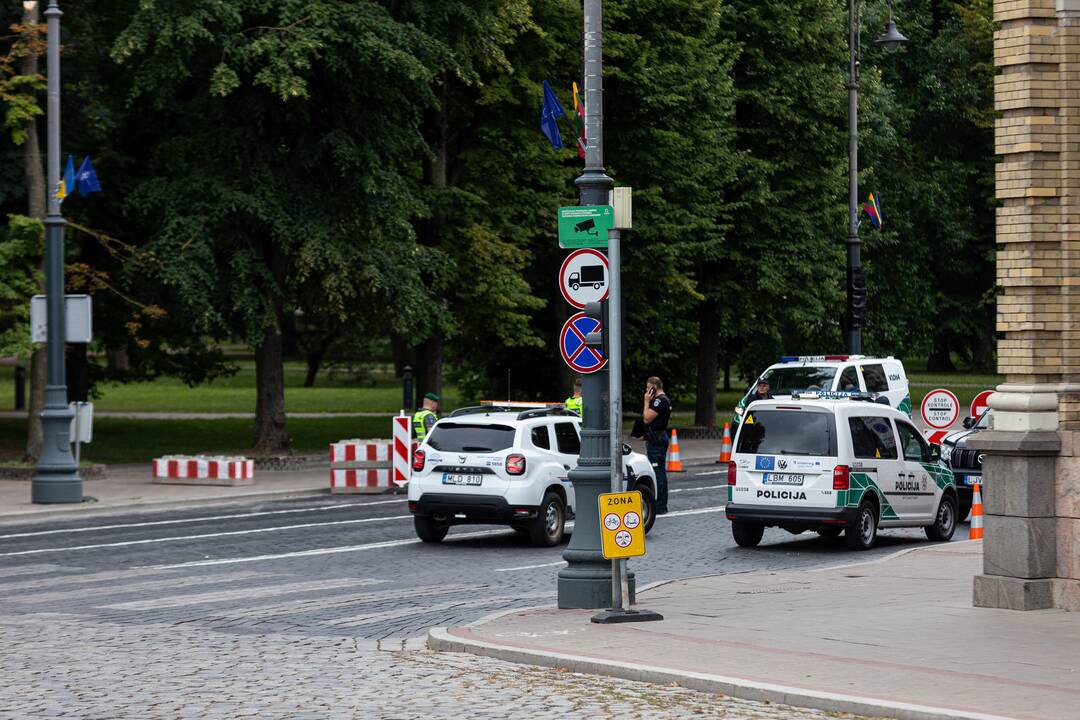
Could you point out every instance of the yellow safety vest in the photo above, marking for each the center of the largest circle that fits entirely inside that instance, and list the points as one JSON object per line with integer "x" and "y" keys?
{"x": 419, "y": 427}
{"x": 575, "y": 404}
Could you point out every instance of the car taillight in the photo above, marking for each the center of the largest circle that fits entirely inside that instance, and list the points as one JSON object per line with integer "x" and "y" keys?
{"x": 515, "y": 464}
{"x": 841, "y": 477}
{"x": 418, "y": 459}
{"x": 732, "y": 473}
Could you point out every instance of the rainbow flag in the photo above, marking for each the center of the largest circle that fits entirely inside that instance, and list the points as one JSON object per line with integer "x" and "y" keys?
{"x": 874, "y": 211}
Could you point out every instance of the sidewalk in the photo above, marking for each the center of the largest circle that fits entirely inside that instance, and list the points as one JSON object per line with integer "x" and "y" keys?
{"x": 895, "y": 638}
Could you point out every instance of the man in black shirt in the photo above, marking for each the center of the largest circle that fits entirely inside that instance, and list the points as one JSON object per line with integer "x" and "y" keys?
{"x": 655, "y": 414}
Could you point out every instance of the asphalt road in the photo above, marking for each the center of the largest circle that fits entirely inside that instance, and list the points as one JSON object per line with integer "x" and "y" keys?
{"x": 352, "y": 565}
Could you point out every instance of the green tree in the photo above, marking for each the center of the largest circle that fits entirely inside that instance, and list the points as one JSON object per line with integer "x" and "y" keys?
{"x": 20, "y": 277}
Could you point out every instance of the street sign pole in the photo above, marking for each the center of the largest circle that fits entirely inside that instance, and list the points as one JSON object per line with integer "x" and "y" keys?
{"x": 585, "y": 582}
{"x": 620, "y": 592}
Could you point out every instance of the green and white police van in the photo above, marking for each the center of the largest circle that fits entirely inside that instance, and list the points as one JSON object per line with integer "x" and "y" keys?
{"x": 836, "y": 462}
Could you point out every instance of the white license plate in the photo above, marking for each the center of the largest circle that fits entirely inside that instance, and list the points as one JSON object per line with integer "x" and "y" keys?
{"x": 972, "y": 479}
{"x": 783, "y": 479}
{"x": 459, "y": 479}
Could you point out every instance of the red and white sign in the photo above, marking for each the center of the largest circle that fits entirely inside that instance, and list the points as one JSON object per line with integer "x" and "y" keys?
{"x": 981, "y": 403}
{"x": 402, "y": 462}
{"x": 934, "y": 437}
{"x": 360, "y": 478}
{"x": 575, "y": 352}
{"x": 202, "y": 467}
{"x": 583, "y": 277}
{"x": 940, "y": 408}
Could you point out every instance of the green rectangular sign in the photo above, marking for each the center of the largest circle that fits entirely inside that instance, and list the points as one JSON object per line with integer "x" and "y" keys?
{"x": 585, "y": 226}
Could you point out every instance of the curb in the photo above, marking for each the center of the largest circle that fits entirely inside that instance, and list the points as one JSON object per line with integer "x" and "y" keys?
{"x": 73, "y": 511}
{"x": 440, "y": 640}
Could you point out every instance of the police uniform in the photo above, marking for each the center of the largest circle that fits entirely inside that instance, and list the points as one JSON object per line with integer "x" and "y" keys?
{"x": 575, "y": 404}
{"x": 423, "y": 419}
{"x": 656, "y": 446}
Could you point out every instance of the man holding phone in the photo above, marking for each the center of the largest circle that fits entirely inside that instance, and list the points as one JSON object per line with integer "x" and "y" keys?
{"x": 655, "y": 414}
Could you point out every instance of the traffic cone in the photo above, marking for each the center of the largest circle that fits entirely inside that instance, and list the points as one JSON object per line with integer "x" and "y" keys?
{"x": 725, "y": 446}
{"x": 674, "y": 462}
{"x": 976, "y": 532}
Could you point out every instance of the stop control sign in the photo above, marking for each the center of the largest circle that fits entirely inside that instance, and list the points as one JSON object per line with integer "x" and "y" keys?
{"x": 940, "y": 408}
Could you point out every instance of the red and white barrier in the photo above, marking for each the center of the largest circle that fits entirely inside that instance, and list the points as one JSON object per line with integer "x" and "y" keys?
{"x": 359, "y": 451}
{"x": 347, "y": 479}
{"x": 402, "y": 465}
{"x": 935, "y": 436}
{"x": 215, "y": 470}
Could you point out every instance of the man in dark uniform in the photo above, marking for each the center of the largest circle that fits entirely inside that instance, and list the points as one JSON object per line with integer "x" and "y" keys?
{"x": 655, "y": 414}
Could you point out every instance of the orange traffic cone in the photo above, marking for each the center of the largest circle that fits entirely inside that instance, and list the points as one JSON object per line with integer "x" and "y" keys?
{"x": 725, "y": 445}
{"x": 976, "y": 532}
{"x": 674, "y": 462}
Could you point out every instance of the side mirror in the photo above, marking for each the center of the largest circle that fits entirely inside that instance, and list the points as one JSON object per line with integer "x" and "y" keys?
{"x": 626, "y": 449}
{"x": 969, "y": 422}
{"x": 935, "y": 452}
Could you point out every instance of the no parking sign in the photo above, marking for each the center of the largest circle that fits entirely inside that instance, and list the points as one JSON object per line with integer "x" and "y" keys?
{"x": 575, "y": 352}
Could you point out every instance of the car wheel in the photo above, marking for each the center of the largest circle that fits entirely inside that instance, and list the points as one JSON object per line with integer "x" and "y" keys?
{"x": 862, "y": 533}
{"x": 963, "y": 509}
{"x": 945, "y": 522}
{"x": 746, "y": 534}
{"x": 428, "y": 530}
{"x": 648, "y": 507}
{"x": 831, "y": 532}
{"x": 547, "y": 529}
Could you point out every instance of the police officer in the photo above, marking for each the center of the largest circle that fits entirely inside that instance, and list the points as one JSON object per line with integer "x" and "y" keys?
{"x": 425, "y": 417}
{"x": 575, "y": 402}
{"x": 761, "y": 392}
{"x": 655, "y": 414}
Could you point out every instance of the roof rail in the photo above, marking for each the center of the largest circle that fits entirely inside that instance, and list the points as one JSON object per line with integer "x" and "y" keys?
{"x": 480, "y": 410}
{"x": 545, "y": 411}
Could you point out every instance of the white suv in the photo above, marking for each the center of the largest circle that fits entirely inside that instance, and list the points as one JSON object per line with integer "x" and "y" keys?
{"x": 850, "y": 464}
{"x": 504, "y": 466}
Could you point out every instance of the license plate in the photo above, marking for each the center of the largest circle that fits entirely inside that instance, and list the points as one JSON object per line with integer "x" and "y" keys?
{"x": 459, "y": 479}
{"x": 783, "y": 479}
{"x": 972, "y": 479}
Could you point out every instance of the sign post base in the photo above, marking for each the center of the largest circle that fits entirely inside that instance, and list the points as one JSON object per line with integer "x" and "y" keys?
{"x": 616, "y": 615}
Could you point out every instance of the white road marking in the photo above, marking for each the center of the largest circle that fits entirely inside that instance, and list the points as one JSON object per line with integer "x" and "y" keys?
{"x": 712, "y": 472}
{"x": 199, "y": 519}
{"x": 530, "y": 567}
{"x": 248, "y": 593}
{"x": 706, "y": 487}
{"x": 699, "y": 511}
{"x": 320, "y": 551}
{"x": 359, "y": 620}
{"x": 203, "y": 536}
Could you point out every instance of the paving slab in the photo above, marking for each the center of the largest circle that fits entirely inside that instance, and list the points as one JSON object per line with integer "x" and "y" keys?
{"x": 896, "y": 638}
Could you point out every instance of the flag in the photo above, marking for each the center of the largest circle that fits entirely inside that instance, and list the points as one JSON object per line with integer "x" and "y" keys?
{"x": 579, "y": 123}
{"x": 549, "y": 115}
{"x": 874, "y": 211}
{"x": 86, "y": 179}
{"x": 67, "y": 183}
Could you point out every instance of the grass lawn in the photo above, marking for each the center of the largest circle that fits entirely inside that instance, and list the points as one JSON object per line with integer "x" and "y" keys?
{"x": 133, "y": 441}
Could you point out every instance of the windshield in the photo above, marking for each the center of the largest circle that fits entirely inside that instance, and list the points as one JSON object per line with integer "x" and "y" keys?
{"x": 787, "y": 432}
{"x": 471, "y": 437}
{"x": 785, "y": 379}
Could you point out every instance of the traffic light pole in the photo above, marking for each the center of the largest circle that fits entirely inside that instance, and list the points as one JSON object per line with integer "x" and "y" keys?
{"x": 586, "y": 581}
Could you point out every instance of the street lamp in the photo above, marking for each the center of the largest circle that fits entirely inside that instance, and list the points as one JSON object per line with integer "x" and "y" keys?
{"x": 57, "y": 478}
{"x": 856, "y": 275}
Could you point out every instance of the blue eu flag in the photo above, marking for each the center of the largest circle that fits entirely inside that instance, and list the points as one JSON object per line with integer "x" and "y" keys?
{"x": 86, "y": 179}
{"x": 549, "y": 116}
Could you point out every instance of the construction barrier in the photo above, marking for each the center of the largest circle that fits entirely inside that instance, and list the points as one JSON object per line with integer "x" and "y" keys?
{"x": 934, "y": 437}
{"x": 674, "y": 462}
{"x": 374, "y": 466}
{"x": 725, "y": 445}
{"x": 203, "y": 470}
{"x": 976, "y": 532}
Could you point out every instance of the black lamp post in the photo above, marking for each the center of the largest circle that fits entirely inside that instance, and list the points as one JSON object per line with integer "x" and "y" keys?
{"x": 57, "y": 478}
{"x": 856, "y": 275}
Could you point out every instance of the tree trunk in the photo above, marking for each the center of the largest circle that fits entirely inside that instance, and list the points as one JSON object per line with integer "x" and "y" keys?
{"x": 38, "y": 378}
{"x": 270, "y": 435}
{"x": 118, "y": 360}
{"x": 727, "y": 375}
{"x": 940, "y": 359}
{"x": 429, "y": 362}
{"x": 708, "y": 355}
{"x": 314, "y": 362}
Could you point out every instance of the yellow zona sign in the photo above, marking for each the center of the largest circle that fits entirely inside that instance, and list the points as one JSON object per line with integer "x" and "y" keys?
{"x": 622, "y": 525}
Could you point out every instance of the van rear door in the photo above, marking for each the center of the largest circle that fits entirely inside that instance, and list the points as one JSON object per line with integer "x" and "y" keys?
{"x": 785, "y": 456}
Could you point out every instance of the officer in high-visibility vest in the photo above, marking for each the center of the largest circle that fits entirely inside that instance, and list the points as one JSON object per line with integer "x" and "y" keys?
{"x": 575, "y": 402}
{"x": 425, "y": 417}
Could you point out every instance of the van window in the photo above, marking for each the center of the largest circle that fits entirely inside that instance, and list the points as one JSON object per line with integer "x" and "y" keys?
{"x": 874, "y": 375}
{"x": 788, "y": 432}
{"x": 849, "y": 379}
{"x": 541, "y": 438}
{"x": 783, "y": 380}
{"x": 471, "y": 437}
{"x": 872, "y": 438}
{"x": 911, "y": 441}
{"x": 566, "y": 438}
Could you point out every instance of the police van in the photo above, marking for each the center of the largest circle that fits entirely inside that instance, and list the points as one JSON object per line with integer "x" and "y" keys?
{"x": 843, "y": 373}
{"x": 836, "y": 462}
